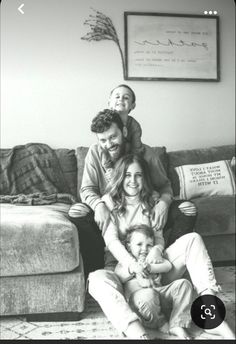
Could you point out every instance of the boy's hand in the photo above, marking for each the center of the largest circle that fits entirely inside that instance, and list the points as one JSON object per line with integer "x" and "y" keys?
{"x": 147, "y": 268}
{"x": 136, "y": 268}
{"x": 102, "y": 216}
{"x": 142, "y": 269}
{"x": 154, "y": 256}
{"x": 144, "y": 281}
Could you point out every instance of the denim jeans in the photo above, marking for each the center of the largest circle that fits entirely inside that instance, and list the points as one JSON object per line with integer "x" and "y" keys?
{"x": 155, "y": 305}
{"x": 188, "y": 253}
{"x": 178, "y": 223}
{"x": 91, "y": 243}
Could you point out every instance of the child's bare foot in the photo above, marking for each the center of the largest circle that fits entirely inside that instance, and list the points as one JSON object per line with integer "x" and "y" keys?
{"x": 136, "y": 330}
{"x": 144, "y": 336}
{"x": 164, "y": 328}
{"x": 179, "y": 332}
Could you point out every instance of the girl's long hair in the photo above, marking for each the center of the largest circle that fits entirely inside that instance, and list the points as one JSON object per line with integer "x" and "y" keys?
{"x": 115, "y": 186}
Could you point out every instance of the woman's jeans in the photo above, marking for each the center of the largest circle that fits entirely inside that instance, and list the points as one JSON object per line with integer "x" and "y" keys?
{"x": 92, "y": 243}
{"x": 188, "y": 253}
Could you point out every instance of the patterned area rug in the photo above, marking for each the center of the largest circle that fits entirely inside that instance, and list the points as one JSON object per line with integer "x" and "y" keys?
{"x": 94, "y": 325}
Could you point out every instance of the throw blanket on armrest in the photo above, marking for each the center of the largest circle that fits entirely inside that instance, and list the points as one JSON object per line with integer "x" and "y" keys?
{"x": 32, "y": 174}
{"x": 38, "y": 199}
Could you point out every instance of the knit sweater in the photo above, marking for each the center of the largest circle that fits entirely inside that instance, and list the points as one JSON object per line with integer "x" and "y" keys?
{"x": 117, "y": 228}
{"x": 134, "y": 133}
{"x": 97, "y": 174}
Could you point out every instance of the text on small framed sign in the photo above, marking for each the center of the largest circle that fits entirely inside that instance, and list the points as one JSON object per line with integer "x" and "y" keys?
{"x": 160, "y": 46}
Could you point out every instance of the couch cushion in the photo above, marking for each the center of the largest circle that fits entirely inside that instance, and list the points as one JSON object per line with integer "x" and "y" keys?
{"x": 68, "y": 163}
{"x": 162, "y": 155}
{"x": 211, "y": 178}
{"x": 37, "y": 240}
{"x": 216, "y": 215}
{"x": 196, "y": 156}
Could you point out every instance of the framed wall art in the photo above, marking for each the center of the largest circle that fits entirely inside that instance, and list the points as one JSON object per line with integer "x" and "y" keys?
{"x": 160, "y": 46}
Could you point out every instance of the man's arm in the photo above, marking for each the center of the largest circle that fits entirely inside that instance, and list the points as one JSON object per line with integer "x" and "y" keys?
{"x": 134, "y": 135}
{"x": 92, "y": 187}
{"x": 90, "y": 192}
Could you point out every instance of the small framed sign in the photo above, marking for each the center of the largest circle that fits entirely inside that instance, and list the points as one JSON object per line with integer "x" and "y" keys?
{"x": 160, "y": 46}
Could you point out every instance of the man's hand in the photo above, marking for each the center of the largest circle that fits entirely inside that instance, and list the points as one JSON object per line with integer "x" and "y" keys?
{"x": 154, "y": 256}
{"x": 159, "y": 215}
{"x": 102, "y": 216}
{"x": 188, "y": 208}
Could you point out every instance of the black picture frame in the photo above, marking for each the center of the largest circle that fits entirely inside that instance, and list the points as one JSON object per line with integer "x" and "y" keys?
{"x": 162, "y": 46}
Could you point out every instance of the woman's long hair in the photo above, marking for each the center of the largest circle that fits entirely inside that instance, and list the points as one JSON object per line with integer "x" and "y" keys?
{"x": 115, "y": 186}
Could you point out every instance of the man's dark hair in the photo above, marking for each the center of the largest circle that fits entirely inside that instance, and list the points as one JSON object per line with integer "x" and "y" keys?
{"x": 104, "y": 120}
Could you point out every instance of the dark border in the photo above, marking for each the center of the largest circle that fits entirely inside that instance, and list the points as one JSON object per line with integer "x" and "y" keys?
{"x": 126, "y": 74}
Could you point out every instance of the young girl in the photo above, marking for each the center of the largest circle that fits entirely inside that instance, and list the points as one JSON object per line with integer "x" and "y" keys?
{"x": 130, "y": 202}
{"x": 144, "y": 291}
{"x": 123, "y": 100}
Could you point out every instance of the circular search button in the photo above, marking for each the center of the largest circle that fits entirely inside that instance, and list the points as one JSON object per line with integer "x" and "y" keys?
{"x": 208, "y": 311}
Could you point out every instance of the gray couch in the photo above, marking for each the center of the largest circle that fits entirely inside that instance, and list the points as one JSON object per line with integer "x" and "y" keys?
{"x": 216, "y": 214}
{"x": 41, "y": 266}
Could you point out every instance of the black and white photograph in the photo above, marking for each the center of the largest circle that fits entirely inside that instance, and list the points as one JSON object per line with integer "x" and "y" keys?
{"x": 117, "y": 170}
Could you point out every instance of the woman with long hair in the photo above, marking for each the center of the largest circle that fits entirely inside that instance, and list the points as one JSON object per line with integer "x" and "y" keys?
{"x": 130, "y": 199}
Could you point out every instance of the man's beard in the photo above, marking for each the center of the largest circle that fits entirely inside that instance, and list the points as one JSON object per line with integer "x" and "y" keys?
{"x": 117, "y": 154}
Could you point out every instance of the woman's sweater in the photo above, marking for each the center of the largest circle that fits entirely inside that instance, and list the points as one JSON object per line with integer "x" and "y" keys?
{"x": 119, "y": 223}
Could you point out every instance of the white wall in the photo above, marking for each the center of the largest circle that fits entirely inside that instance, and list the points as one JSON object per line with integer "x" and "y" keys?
{"x": 54, "y": 83}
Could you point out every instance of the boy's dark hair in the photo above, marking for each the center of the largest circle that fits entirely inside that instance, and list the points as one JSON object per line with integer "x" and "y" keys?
{"x": 129, "y": 88}
{"x": 144, "y": 229}
{"x": 104, "y": 119}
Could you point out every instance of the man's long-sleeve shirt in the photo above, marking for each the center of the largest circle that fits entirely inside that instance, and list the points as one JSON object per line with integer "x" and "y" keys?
{"x": 96, "y": 175}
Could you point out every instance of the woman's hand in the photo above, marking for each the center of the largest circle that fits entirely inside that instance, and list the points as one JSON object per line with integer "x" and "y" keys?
{"x": 159, "y": 215}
